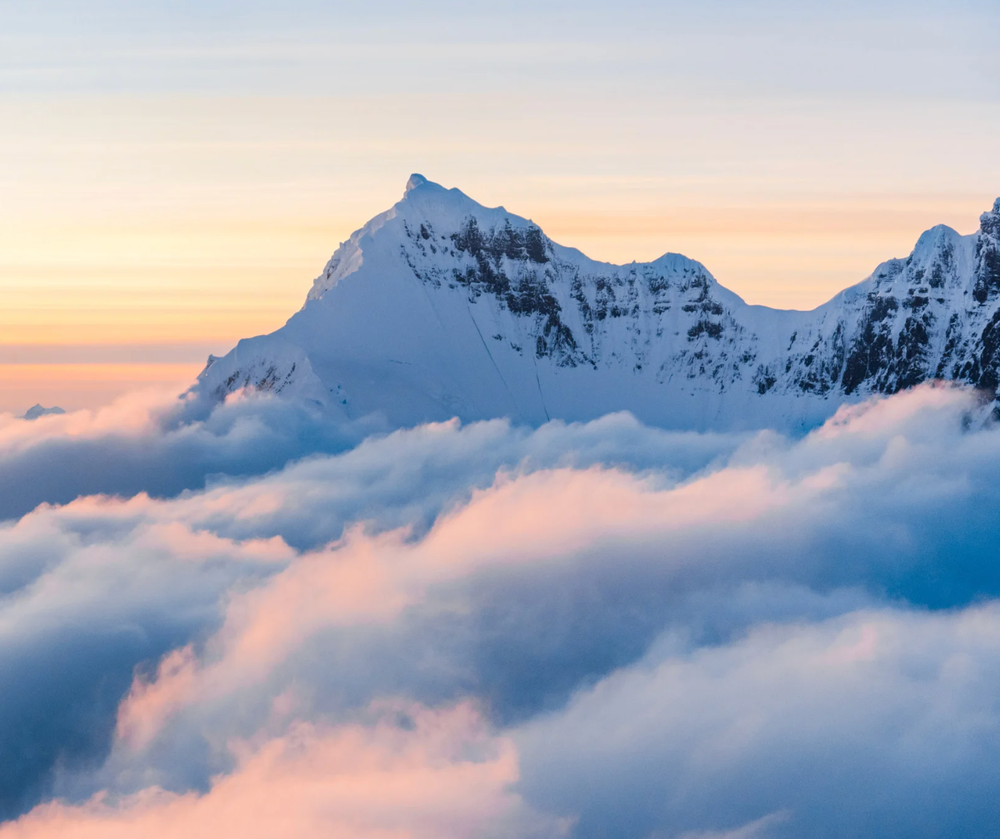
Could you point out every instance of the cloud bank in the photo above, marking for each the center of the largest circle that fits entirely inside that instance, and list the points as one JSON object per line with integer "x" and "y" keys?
{"x": 579, "y": 630}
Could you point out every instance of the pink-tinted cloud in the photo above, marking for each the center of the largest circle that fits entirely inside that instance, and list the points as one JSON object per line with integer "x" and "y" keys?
{"x": 535, "y": 518}
{"x": 413, "y": 773}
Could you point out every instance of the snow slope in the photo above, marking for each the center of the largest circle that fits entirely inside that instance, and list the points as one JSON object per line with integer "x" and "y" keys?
{"x": 442, "y": 307}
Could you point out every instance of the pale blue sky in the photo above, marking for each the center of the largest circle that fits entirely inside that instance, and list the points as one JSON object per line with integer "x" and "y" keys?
{"x": 855, "y": 50}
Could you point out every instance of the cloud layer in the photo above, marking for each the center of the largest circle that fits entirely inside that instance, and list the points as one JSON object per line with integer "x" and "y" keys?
{"x": 582, "y": 630}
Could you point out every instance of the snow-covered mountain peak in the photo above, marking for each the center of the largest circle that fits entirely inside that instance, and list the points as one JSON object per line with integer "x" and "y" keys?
{"x": 441, "y": 306}
{"x": 430, "y": 220}
{"x": 414, "y": 181}
{"x": 933, "y": 240}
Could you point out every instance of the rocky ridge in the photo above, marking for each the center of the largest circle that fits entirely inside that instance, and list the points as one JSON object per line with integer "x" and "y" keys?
{"x": 443, "y": 307}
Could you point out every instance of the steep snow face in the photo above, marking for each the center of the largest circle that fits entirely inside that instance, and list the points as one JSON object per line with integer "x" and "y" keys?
{"x": 442, "y": 307}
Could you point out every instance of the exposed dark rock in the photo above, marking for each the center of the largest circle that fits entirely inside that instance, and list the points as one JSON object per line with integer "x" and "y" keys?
{"x": 871, "y": 354}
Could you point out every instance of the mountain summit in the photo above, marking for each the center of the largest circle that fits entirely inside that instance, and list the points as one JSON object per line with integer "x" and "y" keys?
{"x": 442, "y": 307}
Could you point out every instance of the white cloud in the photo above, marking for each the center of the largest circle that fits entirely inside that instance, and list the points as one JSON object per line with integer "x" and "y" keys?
{"x": 665, "y": 634}
{"x": 880, "y": 723}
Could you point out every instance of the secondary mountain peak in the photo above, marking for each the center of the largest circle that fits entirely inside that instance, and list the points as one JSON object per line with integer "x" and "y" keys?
{"x": 989, "y": 223}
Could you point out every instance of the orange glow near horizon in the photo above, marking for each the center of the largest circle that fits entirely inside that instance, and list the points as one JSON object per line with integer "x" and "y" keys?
{"x": 72, "y": 386}
{"x": 220, "y": 283}
{"x": 177, "y": 217}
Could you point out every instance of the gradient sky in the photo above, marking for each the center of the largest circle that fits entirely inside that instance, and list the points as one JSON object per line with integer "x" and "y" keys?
{"x": 175, "y": 174}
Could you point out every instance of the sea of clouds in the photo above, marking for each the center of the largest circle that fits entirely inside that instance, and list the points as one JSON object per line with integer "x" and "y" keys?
{"x": 255, "y": 623}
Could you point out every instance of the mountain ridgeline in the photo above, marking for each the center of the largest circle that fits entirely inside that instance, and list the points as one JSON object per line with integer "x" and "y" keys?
{"x": 441, "y": 307}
